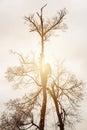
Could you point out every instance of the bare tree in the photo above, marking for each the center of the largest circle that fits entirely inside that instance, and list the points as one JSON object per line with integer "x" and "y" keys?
{"x": 44, "y": 30}
{"x": 66, "y": 92}
{"x": 46, "y": 83}
{"x": 20, "y": 116}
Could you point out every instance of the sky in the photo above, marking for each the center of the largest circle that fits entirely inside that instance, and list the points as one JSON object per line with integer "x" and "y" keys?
{"x": 70, "y": 46}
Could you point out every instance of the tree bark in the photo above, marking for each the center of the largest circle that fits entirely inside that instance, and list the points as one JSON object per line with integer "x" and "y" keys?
{"x": 44, "y": 102}
{"x": 43, "y": 78}
{"x": 60, "y": 123}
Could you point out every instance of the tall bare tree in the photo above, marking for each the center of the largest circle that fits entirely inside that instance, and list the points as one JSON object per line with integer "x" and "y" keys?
{"x": 44, "y": 30}
{"x": 57, "y": 84}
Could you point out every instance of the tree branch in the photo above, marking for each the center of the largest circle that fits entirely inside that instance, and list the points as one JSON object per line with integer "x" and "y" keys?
{"x": 56, "y": 22}
{"x": 33, "y": 22}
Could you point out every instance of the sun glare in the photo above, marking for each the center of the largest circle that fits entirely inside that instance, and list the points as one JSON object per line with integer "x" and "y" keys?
{"x": 49, "y": 57}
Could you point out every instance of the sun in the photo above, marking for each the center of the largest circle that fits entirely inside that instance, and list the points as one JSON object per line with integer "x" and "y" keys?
{"x": 47, "y": 54}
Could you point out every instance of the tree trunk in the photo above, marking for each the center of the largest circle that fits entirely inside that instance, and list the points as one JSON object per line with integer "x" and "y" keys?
{"x": 43, "y": 78}
{"x": 60, "y": 123}
{"x": 44, "y": 102}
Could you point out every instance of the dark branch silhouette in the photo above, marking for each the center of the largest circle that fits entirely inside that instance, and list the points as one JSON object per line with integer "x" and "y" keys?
{"x": 44, "y": 84}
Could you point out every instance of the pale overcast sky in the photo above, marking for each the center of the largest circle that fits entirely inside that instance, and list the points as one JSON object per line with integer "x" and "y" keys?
{"x": 70, "y": 45}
